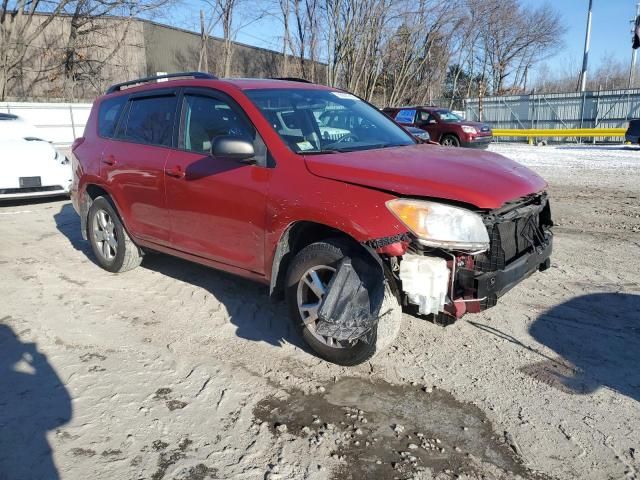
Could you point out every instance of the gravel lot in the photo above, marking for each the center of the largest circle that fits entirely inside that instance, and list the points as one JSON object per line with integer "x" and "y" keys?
{"x": 175, "y": 371}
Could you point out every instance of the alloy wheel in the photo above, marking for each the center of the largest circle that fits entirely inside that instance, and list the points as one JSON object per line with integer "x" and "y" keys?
{"x": 312, "y": 289}
{"x": 104, "y": 234}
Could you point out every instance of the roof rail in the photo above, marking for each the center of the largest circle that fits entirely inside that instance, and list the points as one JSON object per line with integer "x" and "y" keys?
{"x": 199, "y": 75}
{"x": 292, "y": 79}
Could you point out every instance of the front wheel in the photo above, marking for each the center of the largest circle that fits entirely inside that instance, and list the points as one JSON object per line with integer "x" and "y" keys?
{"x": 307, "y": 280}
{"x": 450, "y": 141}
{"x": 112, "y": 246}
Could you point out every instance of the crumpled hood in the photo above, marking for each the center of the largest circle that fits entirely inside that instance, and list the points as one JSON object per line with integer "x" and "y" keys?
{"x": 484, "y": 179}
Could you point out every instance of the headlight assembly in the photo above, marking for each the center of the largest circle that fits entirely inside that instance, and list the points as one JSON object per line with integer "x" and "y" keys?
{"x": 469, "y": 129}
{"x": 442, "y": 226}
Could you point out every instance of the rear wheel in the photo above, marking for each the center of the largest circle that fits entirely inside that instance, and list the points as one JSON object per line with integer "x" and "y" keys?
{"x": 112, "y": 246}
{"x": 450, "y": 141}
{"x": 307, "y": 280}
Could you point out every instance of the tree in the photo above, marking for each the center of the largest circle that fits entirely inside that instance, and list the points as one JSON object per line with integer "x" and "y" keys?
{"x": 18, "y": 31}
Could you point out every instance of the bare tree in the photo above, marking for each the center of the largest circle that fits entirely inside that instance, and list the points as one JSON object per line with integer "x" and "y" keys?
{"x": 514, "y": 39}
{"x": 18, "y": 31}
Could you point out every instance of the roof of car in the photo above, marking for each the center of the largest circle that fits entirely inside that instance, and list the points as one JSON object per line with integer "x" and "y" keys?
{"x": 241, "y": 83}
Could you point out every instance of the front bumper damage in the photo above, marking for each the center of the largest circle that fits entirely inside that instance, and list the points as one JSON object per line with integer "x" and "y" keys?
{"x": 448, "y": 284}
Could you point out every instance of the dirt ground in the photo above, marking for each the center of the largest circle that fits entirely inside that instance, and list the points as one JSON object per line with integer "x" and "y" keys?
{"x": 175, "y": 371}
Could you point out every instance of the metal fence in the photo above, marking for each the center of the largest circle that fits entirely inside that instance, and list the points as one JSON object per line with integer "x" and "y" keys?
{"x": 602, "y": 109}
{"x": 59, "y": 123}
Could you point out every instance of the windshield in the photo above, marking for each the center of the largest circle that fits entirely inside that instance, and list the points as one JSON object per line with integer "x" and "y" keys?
{"x": 323, "y": 121}
{"x": 448, "y": 116}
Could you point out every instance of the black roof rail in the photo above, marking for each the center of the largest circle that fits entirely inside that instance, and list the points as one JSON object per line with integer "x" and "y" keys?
{"x": 198, "y": 75}
{"x": 292, "y": 79}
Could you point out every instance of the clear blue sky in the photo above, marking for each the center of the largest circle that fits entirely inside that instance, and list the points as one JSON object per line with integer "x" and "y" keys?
{"x": 610, "y": 35}
{"x": 610, "y": 30}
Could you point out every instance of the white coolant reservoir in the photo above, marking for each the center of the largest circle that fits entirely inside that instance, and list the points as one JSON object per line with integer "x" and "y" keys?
{"x": 425, "y": 280}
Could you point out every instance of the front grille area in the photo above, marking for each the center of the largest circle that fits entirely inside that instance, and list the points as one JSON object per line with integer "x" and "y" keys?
{"x": 514, "y": 233}
{"x": 11, "y": 191}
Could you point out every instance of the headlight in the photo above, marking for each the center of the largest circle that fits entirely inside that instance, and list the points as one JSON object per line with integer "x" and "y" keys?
{"x": 442, "y": 226}
{"x": 469, "y": 129}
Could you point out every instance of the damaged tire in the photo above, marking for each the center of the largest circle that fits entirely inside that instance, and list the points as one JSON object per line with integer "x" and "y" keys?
{"x": 306, "y": 285}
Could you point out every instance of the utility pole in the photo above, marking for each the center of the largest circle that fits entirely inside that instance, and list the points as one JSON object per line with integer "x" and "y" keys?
{"x": 632, "y": 70}
{"x": 585, "y": 59}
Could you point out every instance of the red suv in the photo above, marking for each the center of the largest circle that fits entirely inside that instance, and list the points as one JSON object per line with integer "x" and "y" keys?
{"x": 309, "y": 190}
{"x": 444, "y": 126}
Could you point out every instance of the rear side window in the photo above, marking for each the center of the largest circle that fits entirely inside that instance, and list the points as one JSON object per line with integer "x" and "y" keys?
{"x": 109, "y": 114}
{"x": 406, "y": 116}
{"x": 150, "y": 121}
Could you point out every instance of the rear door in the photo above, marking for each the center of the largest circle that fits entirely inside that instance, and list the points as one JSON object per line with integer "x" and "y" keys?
{"x": 217, "y": 205}
{"x": 133, "y": 163}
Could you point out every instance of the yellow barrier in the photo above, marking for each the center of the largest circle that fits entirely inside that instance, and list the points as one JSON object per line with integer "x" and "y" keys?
{"x": 569, "y": 132}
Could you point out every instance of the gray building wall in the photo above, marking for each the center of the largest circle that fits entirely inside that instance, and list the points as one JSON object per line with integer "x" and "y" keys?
{"x": 147, "y": 48}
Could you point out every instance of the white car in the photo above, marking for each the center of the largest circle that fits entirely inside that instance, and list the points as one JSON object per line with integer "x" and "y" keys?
{"x": 31, "y": 167}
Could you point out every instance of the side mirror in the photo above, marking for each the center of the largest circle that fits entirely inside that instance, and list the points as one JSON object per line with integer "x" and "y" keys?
{"x": 233, "y": 148}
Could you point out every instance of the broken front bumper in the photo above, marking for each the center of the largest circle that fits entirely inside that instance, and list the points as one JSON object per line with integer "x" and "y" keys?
{"x": 491, "y": 285}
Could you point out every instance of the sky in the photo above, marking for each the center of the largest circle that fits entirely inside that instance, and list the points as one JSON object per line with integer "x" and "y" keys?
{"x": 610, "y": 31}
{"x": 610, "y": 34}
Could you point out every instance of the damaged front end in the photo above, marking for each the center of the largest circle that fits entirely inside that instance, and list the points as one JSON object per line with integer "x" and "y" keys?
{"x": 449, "y": 282}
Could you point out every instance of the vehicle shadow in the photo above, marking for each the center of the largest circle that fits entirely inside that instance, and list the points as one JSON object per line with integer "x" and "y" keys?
{"x": 248, "y": 304}
{"x": 596, "y": 339}
{"x": 68, "y": 223}
{"x": 33, "y": 401}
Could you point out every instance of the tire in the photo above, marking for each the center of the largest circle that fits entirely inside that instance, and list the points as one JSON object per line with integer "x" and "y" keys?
{"x": 113, "y": 248}
{"x": 327, "y": 254}
{"x": 450, "y": 141}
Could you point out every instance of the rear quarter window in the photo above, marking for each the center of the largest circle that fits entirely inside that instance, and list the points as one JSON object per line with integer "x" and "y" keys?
{"x": 108, "y": 115}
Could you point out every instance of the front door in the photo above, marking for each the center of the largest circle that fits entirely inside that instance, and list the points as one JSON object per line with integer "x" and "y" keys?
{"x": 217, "y": 206}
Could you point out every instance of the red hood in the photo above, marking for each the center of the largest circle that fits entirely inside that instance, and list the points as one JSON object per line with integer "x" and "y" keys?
{"x": 484, "y": 179}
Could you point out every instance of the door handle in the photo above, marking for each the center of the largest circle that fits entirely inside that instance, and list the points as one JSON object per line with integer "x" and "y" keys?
{"x": 175, "y": 172}
{"x": 109, "y": 160}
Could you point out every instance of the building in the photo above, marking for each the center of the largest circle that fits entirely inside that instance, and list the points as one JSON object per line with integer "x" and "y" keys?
{"x": 60, "y": 66}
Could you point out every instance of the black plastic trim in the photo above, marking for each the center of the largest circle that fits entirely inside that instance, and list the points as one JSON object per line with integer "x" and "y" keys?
{"x": 197, "y": 75}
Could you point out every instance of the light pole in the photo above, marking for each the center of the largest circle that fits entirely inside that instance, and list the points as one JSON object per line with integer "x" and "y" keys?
{"x": 632, "y": 70}
{"x": 585, "y": 59}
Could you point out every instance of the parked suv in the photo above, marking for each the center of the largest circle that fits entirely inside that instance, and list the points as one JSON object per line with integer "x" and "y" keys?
{"x": 444, "y": 126}
{"x": 238, "y": 175}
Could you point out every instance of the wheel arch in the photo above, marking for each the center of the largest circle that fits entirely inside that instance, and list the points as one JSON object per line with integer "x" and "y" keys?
{"x": 90, "y": 193}
{"x": 297, "y": 236}
{"x": 449, "y": 134}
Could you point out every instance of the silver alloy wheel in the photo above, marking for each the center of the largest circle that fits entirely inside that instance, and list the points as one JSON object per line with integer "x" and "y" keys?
{"x": 448, "y": 142}
{"x": 312, "y": 288}
{"x": 104, "y": 233}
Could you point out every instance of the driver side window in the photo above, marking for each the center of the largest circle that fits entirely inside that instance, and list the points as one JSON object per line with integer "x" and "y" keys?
{"x": 205, "y": 118}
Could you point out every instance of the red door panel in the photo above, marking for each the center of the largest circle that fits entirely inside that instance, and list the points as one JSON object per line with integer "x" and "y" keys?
{"x": 135, "y": 174}
{"x": 217, "y": 208}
